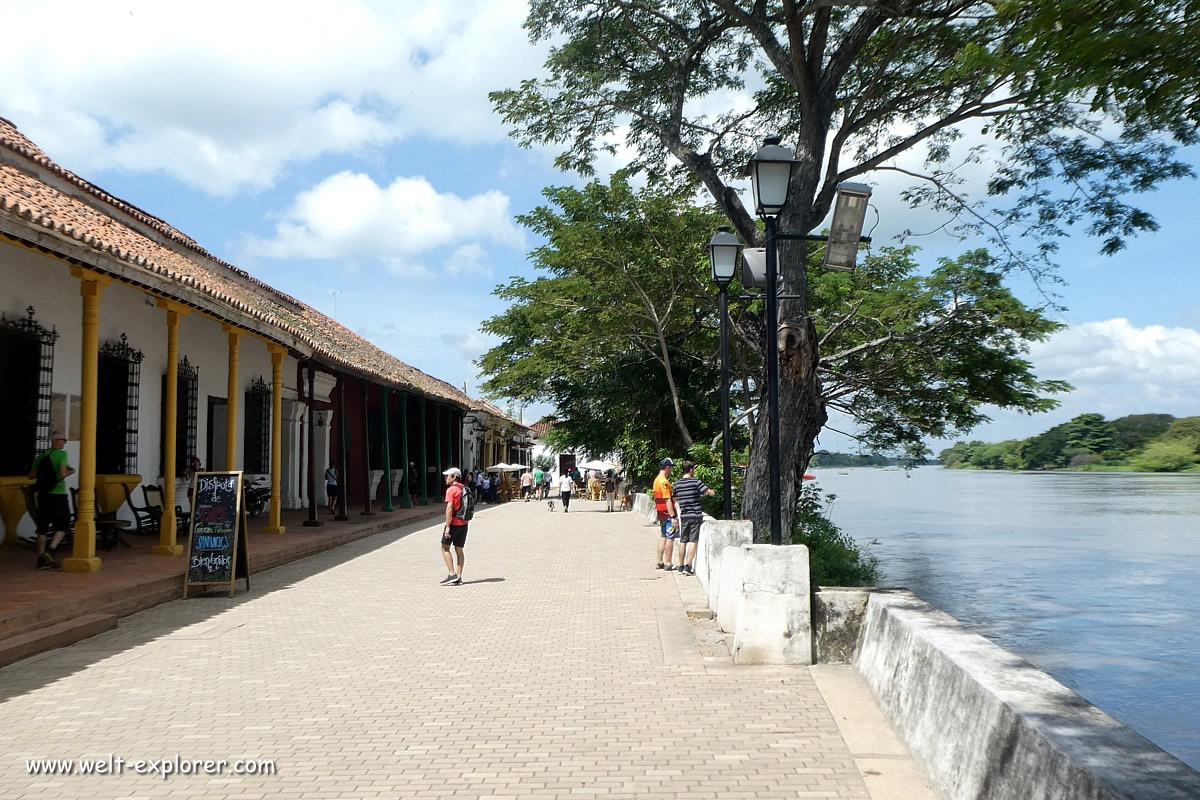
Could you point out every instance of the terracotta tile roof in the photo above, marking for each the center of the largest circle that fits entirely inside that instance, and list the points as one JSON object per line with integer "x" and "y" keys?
{"x": 39, "y": 194}
{"x": 540, "y": 427}
{"x": 494, "y": 410}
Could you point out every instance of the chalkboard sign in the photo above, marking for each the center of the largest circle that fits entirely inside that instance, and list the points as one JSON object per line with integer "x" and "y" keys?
{"x": 217, "y": 549}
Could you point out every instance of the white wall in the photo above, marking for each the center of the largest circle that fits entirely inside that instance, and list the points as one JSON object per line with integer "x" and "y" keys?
{"x": 28, "y": 279}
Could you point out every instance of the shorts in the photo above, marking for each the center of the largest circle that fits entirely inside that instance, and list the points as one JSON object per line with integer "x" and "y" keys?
{"x": 669, "y": 531}
{"x": 458, "y": 536}
{"x": 690, "y": 529}
{"x": 54, "y": 513}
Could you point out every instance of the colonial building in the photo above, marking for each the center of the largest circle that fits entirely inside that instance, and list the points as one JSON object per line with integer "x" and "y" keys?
{"x": 155, "y": 357}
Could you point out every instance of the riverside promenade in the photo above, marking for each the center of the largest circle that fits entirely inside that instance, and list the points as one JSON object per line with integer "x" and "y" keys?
{"x": 564, "y": 666}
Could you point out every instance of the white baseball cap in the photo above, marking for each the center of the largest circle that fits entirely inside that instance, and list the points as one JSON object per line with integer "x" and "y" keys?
{"x": 453, "y": 471}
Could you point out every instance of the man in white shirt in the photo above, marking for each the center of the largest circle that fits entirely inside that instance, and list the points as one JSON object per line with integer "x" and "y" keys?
{"x": 527, "y": 485}
{"x": 566, "y": 487}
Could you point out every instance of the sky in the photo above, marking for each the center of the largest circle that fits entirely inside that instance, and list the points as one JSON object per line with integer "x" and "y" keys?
{"x": 346, "y": 153}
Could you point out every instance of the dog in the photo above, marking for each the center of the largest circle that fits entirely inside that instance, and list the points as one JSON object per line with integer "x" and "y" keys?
{"x": 550, "y": 503}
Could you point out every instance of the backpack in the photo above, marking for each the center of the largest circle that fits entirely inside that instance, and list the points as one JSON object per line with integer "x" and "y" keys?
{"x": 47, "y": 477}
{"x": 466, "y": 504}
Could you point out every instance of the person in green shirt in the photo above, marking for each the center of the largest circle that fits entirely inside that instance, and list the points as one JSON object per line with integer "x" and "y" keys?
{"x": 54, "y": 510}
{"x": 538, "y": 479}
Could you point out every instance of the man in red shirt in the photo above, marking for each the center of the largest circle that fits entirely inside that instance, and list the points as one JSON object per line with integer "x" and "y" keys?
{"x": 454, "y": 532}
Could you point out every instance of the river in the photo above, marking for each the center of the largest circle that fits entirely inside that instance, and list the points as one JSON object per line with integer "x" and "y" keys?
{"x": 1093, "y": 577}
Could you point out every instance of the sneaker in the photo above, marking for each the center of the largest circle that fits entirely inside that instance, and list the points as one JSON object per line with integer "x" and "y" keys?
{"x": 449, "y": 579}
{"x": 661, "y": 565}
{"x": 43, "y": 562}
{"x": 54, "y": 564}
{"x": 669, "y": 567}
{"x": 689, "y": 571}
{"x": 456, "y": 582}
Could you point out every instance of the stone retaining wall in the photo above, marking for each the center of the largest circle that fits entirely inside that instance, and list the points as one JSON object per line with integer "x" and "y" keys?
{"x": 980, "y": 721}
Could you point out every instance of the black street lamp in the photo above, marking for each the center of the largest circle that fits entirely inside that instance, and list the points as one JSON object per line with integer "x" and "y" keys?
{"x": 771, "y": 176}
{"x": 723, "y": 249}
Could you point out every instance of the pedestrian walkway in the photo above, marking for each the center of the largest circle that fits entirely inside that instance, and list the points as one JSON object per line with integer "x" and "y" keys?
{"x": 561, "y": 667}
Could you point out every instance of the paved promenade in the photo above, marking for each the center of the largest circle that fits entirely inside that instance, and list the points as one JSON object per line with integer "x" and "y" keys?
{"x": 564, "y": 666}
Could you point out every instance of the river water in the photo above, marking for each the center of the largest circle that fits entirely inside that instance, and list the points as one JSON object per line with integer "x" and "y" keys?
{"x": 1093, "y": 577}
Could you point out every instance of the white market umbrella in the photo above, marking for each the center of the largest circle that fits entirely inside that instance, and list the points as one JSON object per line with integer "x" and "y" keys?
{"x": 501, "y": 467}
{"x": 599, "y": 465}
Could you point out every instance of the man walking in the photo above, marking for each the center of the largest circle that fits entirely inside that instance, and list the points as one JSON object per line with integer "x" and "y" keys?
{"x": 454, "y": 532}
{"x": 538, "y": 477}
{"x": 610, "y": 489}
{"x": 49, "y": 473}
{"x": 527, "y": 485}
{"x": 665, "y": 509}
{"x": 687, "y": 491}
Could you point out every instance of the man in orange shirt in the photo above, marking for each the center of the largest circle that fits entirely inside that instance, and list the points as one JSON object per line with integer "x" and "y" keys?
{"x": 664, "y": 505}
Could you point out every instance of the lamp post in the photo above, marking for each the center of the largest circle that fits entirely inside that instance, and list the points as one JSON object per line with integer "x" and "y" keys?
{"x": 723, "y": 249}
{"x": 771, "y": 171}
{"x": 771, "y": 177}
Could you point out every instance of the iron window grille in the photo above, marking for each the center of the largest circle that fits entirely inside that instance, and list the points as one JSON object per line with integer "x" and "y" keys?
{"x": 186, "y": 400}
{"x": 122, "y": 352}
{"x": 33, "y": 425}
{"x": 257, "y": 437}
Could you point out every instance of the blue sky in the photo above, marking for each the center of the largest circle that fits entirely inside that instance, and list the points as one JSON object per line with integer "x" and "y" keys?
{"x": 349, "y": 148}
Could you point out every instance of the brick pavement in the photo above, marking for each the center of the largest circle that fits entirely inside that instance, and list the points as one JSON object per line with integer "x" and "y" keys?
{"x": 550, "y": 673}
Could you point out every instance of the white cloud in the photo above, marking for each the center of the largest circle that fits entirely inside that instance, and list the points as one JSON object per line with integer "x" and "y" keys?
{"x": 1117, "y": 368}
{"x": 348, "y": 217}
{"x": 469, "y": 259}
{"x": 224, "y": 96}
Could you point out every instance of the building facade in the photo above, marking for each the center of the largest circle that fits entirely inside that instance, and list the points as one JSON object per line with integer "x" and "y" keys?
{"x": 155, "y": 359}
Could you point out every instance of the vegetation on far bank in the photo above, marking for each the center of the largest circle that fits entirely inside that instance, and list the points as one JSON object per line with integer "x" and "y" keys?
{"x": 1136, "y": 443}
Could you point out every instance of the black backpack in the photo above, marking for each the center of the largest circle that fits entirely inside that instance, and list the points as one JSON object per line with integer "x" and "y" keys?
{"x": 46, "y": 477}
{"x": 466, "y": 504}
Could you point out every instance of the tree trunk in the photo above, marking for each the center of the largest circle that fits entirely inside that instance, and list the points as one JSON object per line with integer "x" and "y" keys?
{"x": 802, "y": 412}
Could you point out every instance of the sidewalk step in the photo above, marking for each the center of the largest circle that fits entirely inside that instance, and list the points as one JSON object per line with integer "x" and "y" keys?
{"x": 14, "y": 648}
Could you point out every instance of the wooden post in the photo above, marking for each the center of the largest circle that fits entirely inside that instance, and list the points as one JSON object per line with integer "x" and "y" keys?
{"x": 168, "y": 540}
{"x": 366, "y": 512}
{"x": 424, "y": 460}
{"x": 231, "y": 406}
{"x": 83, "y": 552}
{"x": 275, "y": 524}
{"x": 313, "y": 520}
{"x": 384, "y": 394}
{"x": 343, "y": 514}
{"x": 406, "y": 481}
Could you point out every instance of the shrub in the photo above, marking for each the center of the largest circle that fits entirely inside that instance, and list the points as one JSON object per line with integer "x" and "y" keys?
{"x": 834, "y": 558}
{"x": 1167, "y": 456}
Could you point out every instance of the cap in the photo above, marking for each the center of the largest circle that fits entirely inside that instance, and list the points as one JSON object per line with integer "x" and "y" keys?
{"x": 453, "y": 471}
{"x": 57, "y": 435}
{"x": 666, "y": 462}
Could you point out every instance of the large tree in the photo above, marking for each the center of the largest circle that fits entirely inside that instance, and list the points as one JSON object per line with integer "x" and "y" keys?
{"x": 619, "y": 332}
{"x": 1079, "y": 99}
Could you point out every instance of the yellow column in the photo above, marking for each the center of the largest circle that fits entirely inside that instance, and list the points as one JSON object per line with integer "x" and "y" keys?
{"x": 168, "y": 542}
{"x": 83, "y": 555}
{"x": 277, "y": 353}
{"x": 231, "y": 407}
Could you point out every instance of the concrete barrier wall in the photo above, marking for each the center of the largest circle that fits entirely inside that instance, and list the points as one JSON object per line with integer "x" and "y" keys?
{"x": 773, "y": 618}
{"x": 983, "y": 723}
{"x": 643, "y": 505}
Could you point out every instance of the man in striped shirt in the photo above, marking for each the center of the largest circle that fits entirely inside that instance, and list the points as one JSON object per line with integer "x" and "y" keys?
{"x": 687, "y": 491}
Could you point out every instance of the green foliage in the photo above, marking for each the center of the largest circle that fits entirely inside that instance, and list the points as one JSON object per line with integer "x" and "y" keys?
{"x": 544, "y": 462}
{"x": 1136, "y": 430}
{"x": 1186, "y": 429}
{"x": 911, "y": 356}
{"x": 834, "y": 558}
{"x": 1167, "y": 456}
{"x": 1090, "y": 442}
